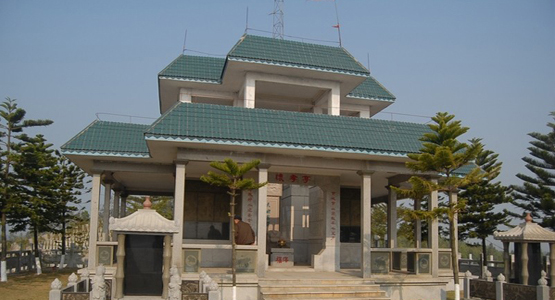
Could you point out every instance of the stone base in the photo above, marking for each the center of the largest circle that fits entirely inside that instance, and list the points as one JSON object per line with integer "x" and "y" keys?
{"x": 282, "y": 257}
{"x": 412, "y": 287}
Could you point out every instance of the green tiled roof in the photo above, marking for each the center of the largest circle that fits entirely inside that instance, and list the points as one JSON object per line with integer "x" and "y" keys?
{"x": 220, "y": 124}
{"x": 371, "y": 89}
{"x": 109, "y": 138}
{"x": 259, "y": 49}
{"x": 195, "y": 68}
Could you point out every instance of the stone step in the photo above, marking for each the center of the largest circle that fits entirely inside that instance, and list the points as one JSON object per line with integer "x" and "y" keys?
{"x": 318, "y": 282}
{"x": 351, "y": 298}
{"x": 316, "y": 288}
{"x": 326, "y": 295}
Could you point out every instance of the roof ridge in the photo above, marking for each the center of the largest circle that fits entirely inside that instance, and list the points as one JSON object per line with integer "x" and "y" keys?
{"x": 292, "y": 41}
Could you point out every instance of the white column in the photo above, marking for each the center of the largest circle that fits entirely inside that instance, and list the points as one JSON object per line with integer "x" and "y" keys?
{"x": 185, "y": 95}
{"x": 120, "y": 254}
{"x": 93, "y": 234}
{"x": 328, "y": 259}
{"x": 433, "y": 232}
{"x": 524, "y": 263}
{"x": 392, "y": 218}
{"x": 262, "y": 262}
{"x": 249, "y": 91}
{"x": 417, "y": 226}
{"x": 179, "y": 205}
{"x": 365, "y": 224}
{"x": 334, "y": 101}
{"x": 106, "y": 213}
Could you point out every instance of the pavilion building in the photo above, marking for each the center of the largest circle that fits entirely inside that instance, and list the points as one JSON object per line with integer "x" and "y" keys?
{"x": 305, "y": 111}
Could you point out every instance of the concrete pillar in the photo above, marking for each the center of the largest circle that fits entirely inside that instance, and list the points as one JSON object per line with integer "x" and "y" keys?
{"x": 120, "y": 255}
{"x": 334, "y": 101}
{"x": 392, "y": 218}
{"x": 507, "y": 261}
{"x": 328, "y": 259}
{"x": 417, "y": 226}
{"x": 433, "y": 232}
{"x": 552, "y": 265}
{"x": 123, "y": 205}
{"x": 524, "y": 263}
{"x": 179, "y": 205}
{"x": 106, "y": 212}
{"x": 365, "y": 224}
{"x": 95, "y": 209}
{"x": 185, "y": 95}
{"x": 167, "y": 262}
{"x": 262, "y": 257}
{"x": 249, "y": 91}
{"x": 115, "y": 209}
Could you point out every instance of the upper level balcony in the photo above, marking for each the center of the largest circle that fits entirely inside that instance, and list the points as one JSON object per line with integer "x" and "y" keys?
{"x": 261, "y": 72}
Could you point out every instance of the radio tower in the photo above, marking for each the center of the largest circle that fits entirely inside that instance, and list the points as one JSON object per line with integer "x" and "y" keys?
{"x": 277, "y": 33}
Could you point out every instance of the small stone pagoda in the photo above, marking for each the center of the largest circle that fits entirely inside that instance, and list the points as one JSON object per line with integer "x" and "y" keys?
{"x": 527, "y": 238}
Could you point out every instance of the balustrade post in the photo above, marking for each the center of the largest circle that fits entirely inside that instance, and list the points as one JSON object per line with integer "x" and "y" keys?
{"x": 542, "y": 290}
{"x": 466, "y": 285}
{"x": 55, "y": 290}
{"x": 499, "y": 287}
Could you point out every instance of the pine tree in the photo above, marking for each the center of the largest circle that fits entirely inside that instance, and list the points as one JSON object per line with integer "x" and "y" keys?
{"x": 232, "y": 178}
{"x": 480, "y": 218}
{"x": 12, "y": 123}
{"x": 537, "y": 194}
{"x": 35, "y": 173}
{"x": 444, "y": 155}
{"x": 68, "y": 184}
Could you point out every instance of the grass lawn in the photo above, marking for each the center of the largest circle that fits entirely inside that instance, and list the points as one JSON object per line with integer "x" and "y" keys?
{"x": 30, "y": 286}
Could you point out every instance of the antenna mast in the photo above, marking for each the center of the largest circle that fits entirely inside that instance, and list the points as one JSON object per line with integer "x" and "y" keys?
{"x": 277, "y": 32}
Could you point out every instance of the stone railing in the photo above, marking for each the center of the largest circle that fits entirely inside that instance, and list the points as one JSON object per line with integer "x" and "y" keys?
{"x": 87, "y": 288}
{"x": 203, "y": 289}
{"x": 501, "y": 290}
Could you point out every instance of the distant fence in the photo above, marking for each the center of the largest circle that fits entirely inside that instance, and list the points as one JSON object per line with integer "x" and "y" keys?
{"x": 24, "y": 261}
{"x": 475, "y": 266}
{"x": 20, "y": 261}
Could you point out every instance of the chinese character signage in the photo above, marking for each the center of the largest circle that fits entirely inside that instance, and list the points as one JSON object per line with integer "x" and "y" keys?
{"x": 291, "y": 178}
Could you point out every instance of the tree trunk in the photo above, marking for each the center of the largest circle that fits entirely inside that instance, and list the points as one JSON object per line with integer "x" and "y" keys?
{"x": 454, "y": 244}
{"x": 64, "y": 233}
{"x": 36, "y": 250}
{"x": 3, "y": 263}
{"x": 484, "y": 253}
{"x": 233, "y": 245}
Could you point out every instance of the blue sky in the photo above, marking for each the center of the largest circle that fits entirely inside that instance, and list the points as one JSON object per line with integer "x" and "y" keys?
{"x": 489, "y": 62}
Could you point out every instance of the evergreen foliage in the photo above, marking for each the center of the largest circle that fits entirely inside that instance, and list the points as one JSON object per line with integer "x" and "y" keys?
{"x": 35, "y": 172}
{"x": 481, "y": 218}
{"x": 537, "y": 194}
{"x": 68, "y": 185}
{"x": 443, "y": 155}
{"x": 12, "y": 124}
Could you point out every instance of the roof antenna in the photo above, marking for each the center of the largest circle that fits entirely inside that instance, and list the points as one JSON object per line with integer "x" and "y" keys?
{"x": 368, "y": 61}
{"x": 277, "y": 32}
{"x": 247, "y": 21}
{"x": 184, "y": 42}
{"x": 337, "y": 26}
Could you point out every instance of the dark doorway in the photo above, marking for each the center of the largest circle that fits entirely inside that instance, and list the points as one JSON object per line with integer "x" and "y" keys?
{"x": 143, "y": 265}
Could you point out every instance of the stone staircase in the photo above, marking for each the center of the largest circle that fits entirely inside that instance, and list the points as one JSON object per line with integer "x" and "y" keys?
{"x": 344, "y": 289}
